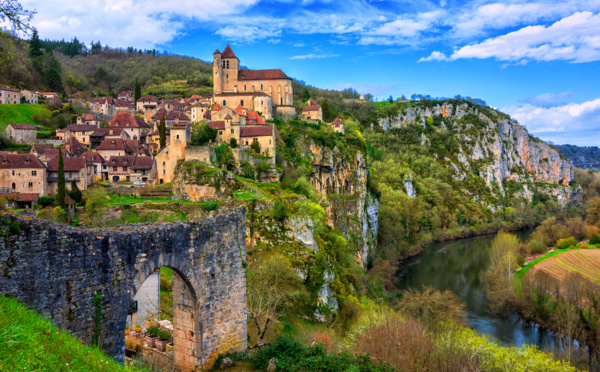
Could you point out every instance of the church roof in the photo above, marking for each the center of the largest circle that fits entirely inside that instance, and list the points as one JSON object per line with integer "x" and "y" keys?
{"x": 216, "y": 107}
{"x": 217, "y": 52}
{"x": 262, "y": 74}
{"x": 228, "y": 53}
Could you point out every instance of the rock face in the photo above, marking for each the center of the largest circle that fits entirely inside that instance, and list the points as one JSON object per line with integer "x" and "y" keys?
{"x": 496, "y": 147}
{"x": 60, "y": 271}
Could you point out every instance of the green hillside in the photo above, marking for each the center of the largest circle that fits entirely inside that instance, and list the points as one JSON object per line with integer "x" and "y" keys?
{"x": 31, "y": 343}
{"x": 22, "y": 114}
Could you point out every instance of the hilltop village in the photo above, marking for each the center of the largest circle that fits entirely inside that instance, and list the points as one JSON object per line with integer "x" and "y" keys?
{"x": 127, "y": 148}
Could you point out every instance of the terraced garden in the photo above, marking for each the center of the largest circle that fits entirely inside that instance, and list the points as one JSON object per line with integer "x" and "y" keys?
{"x": 583, "y": 261}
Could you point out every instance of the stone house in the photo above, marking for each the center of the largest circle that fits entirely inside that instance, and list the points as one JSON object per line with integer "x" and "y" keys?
{"x": 82, "y": 132}
{"x": 31, "y": 97}
{"x": 22, "y": 173}
{"x": 21, "y": 133}
{"x": 40, "y": 149}
{"x": 103, "y": 105}
{"x": 338, "y": 125}
{"x": 197, "y": 112}
{"x": 166, "y": 160}
{"x": 114, "y": 147}
{"x": 134, "y": 125}
{"x": 73, "y": 146}
{"x": 146, "y": 102}
{"x": 130, "y": 168}
{"x": 20, "y": 200}
{"x": 9, "y": 96}
{"x": 76, "y": 169}
{"x": 96, "y": 160}
{"x": 50, "y": 97}
{"x": 100, "y": 134}
{"x": 232, "y": 85}
{"x": 124, "y": 106}
{"x": 88, "y": 119}
{"x": 176, "y": 117}
{"x": 126, "y": 96}
{"x": 312, "y": 111}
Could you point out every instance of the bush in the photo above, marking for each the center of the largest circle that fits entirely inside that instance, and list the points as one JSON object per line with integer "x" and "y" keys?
{"x": 153, "y": 331}
{"x": 595, "y": 239}
{"x": 566, "y": 243}
{"x": 233, "y": 143}
{"x": 210, "y": 206}
{"x": 164, "y": 335}
{"x": 584, "y": 246}
{"x": 536, "y": 247}
{"x": 520, "y": 260}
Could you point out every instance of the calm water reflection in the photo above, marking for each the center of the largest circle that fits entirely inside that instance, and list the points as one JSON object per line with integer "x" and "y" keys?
{"x": 456, "y": 265}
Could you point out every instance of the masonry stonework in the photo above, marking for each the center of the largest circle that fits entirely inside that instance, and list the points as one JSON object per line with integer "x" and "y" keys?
{"x": 56, "y": 270}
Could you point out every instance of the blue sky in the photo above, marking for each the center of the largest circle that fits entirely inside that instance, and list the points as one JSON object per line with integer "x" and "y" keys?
{"x": 539, "y": 61}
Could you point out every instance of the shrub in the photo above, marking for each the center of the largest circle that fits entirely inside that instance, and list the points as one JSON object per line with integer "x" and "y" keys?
{"x": 134, "y": 343}
{"x": 255, "y": 146}
{"x": 536, "y": 247}
{"x": 153, "y": 331}
{"x": 233, "y": 143}
{"x": 210, "y": 206}
{"x": 595, "y": 239}
{"x": 584, "y": 246}
{"x": 520, "y": 260}
{"x": 280, "y": 211}
{"x": 565, "y": 243}
{"x": 46, "y": 200}
{"x": 164, "y": 335}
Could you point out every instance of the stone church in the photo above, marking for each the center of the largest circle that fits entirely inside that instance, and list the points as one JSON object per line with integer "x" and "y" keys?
{"x": 268, "y": 92}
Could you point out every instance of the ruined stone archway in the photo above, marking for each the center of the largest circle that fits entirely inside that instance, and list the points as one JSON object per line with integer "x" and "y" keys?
{"x": 57, "y": 269}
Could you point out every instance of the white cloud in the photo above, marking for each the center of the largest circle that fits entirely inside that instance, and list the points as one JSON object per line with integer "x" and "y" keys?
{"x": 315, "y": 56}
{"x": 575, "y": 38}
{"x": 247, "y": 33}
{"x": 548, "y": 100}
{"x": 434, "y": 56}
{"x": 574, "y": 123}
{"x": 404, "y": 30}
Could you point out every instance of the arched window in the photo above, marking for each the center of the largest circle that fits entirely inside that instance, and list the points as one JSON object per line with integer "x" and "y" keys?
{"x": 14, "y": 186}
{"x": 281, "y": 100}
{"x": 261, "y": 87}
{"x": 224, "y": 103}
{"x": 223, "y": 64}
{"x": 242, "y": 103}
{"x": 227, "y": 64}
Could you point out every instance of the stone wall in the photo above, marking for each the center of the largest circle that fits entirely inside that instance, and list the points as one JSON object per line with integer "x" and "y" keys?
{"x": 56, "y": 270}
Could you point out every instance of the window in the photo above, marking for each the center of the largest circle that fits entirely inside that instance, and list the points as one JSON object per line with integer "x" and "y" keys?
{"x": 244, "y": 87}
{"x": 164, "y": 163}
{"x": 242, "y": 103}
{"x": 281, "y": 100}
{"x": 220, "y": 132}
{"x": 224, "y": 103}
{"x": 124, "y": 169}
{"x": 164, "y": 172}
{"x": 178, "y": 136}
{"x": 246, "y": 143}
{"x": 261, "y": 87}
{"x": 232, "y": 131}
{"x": 223, "y": 64}
{"x": 14, "y": 186}
{"x": 227, "y": 64}
{"x": 13, "y": 172}
{"x": 226, "y": 76}
{"x": 30, "y": 185}
{"x": 114, "y": 169}
{"x": 34, "y": 173}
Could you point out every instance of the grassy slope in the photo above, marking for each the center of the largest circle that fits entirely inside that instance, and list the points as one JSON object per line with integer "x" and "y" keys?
{"x": 29, "y": 342}
{"x": 22, "y": 114}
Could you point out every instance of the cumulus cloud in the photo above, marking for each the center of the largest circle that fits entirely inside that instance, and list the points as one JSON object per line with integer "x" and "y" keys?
{"x": 247, "y": 33}
{"x": 574, "y": 123}
{"x": 315, "y": 56}
{"x": 575, "y": 38}
{"x": 434, "y": 56}
{"x": 548, "y": 100}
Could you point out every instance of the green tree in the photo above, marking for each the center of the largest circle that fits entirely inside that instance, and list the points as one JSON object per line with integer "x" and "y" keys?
{"x": 138, "y": 90}
{"x": 255, "y": 146}
{"x": 305, "y": 95}
{"x": 61, "y": 191}
{"x": 162, "y": 132}
{"x": 35, "y": 46}
{"x": 503, "y": 265}
{"x": 202, "y": 134}
{"x": 75, "y": 193}
{"x": 53, "y": 80}
{"x": 233, "y": 143}
{"x": 326, "y": 110}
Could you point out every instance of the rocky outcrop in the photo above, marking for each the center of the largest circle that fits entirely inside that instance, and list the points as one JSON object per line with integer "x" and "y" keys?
{"x": 495, "y": 147}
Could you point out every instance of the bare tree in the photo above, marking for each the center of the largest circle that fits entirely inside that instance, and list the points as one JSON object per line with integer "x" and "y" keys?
{"x": 12, "y": 12}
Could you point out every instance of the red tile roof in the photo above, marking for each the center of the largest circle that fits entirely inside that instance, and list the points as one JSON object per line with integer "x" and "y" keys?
{"x": 70, "y": 164}
{"x": 147, "y": 98}
{"x": 82, "y": 128}
{"x": 216, "y": 107}
{"x": 134, "y": 162}
{"x": 227, "y": 53}
{"x": 29, "y": 197}
{"x": 217, "y": 52}
{"x": 262, "y": 74}
{"x": 337, "y": 121}
{"x": 40, "y": 149}
{"x": 254, "y": 118}
{"x": 217, "y": 125}
{"x": 127, "y": 119}
{"x": 256, "y": 131}
{"x": 310, "y": 108}
{"x": 143, "y": 162}
{"x": 8, "y": 161}
{"x": 88, "y": 117}
{"x": 75, "y": 147}
{"x": 177, "y": 115}
{"x": 93, "y": 157}
{"x": 22, "y": 126}
{"x": 113, "y": 144}
{"x": 69, "y": 200}
{"x": 102, "y": 132}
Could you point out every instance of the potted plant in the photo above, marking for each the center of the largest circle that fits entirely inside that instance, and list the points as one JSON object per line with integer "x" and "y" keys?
{"x": 138, "y": 329}
{"x": 164, "y": 338}
{"x": 151, "y": 322}
{"x": 127, "y": 331}
{"x": 152, "y": 336}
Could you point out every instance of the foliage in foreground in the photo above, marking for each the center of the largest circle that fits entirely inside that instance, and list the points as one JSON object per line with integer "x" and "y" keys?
{"x": 29, "y": 342}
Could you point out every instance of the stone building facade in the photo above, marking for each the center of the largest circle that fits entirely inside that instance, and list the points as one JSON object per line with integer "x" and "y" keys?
{"x": 23, "y": 173}
{"x": 232, "y": 85}
{"x": 21, "y": 133}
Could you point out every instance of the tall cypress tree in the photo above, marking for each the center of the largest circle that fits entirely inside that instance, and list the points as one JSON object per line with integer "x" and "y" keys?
{"x": 162, "y": 132}
{"x": 60, "y": 193}
{"x": 35, "y": 45}
{"x": 138, "y": 90}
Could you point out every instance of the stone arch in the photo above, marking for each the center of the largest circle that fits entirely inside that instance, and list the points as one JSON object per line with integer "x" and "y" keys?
{"x": 68, "y": 265}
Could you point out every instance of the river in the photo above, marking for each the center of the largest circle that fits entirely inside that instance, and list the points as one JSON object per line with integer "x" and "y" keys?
{"x": 456, "y": 265}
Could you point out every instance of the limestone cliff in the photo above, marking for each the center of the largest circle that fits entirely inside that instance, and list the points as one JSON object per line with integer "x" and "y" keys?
{"x": 496, "y": 148}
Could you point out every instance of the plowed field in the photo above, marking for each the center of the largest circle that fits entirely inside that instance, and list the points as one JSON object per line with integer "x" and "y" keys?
{"x": 583, "y": 261}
